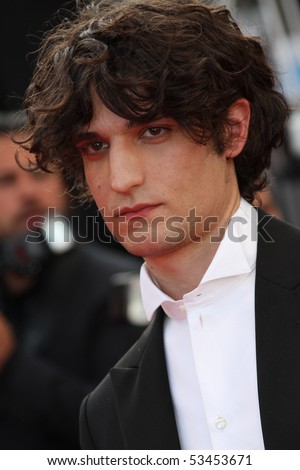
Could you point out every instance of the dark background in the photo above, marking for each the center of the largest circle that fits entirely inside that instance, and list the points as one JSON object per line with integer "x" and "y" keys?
{"x": 22, "y": 23}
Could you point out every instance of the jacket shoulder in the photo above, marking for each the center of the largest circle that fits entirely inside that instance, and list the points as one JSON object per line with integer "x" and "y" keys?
{"x": 99, "y": 423}
{"x": 278, "y": 251}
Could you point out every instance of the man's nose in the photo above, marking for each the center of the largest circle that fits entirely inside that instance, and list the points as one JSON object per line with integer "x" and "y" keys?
{"x": 126, "y": 167}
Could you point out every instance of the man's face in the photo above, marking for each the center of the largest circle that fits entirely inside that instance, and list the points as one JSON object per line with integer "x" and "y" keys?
{"x": 150, "y": 182}
{"x": 23, "y": 194}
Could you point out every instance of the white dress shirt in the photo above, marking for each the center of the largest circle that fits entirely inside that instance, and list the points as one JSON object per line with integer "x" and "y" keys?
{"x": 209, "y": 339}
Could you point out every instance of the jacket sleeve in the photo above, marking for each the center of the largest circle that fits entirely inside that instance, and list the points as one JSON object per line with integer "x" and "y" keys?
{"x": 99, "y": 422}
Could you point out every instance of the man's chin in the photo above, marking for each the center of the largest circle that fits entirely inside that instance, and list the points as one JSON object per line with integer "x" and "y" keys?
{"x": 148, "y": 248}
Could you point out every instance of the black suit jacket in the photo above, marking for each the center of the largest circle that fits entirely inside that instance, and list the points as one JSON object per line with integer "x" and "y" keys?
{"x": 132, "y": 408}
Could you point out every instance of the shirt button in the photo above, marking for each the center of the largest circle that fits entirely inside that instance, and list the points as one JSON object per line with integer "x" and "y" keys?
{"x": 220, "y": 423}
{"x": 181, "y": 308}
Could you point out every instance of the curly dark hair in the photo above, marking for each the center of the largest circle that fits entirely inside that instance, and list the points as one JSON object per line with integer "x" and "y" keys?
{"x": 149, "y": 59}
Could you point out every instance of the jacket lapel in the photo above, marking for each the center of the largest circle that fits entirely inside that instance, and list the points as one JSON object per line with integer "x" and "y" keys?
{"x": 278, "y": 336}
{"x": 143, "y": 395}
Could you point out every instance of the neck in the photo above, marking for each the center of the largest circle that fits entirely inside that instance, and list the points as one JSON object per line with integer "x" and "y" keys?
{"x": 181, "y": 270}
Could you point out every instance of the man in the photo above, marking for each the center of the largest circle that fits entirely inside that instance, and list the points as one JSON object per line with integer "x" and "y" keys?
{"x": 172, "y": 114}
{"x": 58, "y": 337}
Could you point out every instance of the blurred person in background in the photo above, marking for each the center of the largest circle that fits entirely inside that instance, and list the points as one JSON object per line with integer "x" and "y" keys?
{"x": 58, "y": 336}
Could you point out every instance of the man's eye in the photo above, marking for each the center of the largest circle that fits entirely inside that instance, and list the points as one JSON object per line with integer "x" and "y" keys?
{"x": 97, "y": 146}
{"x": 155, "y": 132}
{"x": 92, "y": 147}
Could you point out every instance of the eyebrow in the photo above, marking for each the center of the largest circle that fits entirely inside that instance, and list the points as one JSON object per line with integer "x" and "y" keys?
{"x": 82, "y": 136}
{"x": 134, "y": 124}
{"x": 88, "y": 135}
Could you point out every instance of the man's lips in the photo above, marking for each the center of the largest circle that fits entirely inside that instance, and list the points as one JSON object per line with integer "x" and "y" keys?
{"x": 139, "y": 210}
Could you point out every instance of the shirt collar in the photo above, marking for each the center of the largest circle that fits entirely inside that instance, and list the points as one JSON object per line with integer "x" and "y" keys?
{"x": 236, "y": 256}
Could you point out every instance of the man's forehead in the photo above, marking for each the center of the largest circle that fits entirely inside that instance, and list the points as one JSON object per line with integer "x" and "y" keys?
{"x": 105, "y": 121}
{"x": 105, "y": 117}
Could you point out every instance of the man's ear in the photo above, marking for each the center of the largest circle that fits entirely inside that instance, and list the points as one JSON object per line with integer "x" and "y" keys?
{"x": 238, "y": 119}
